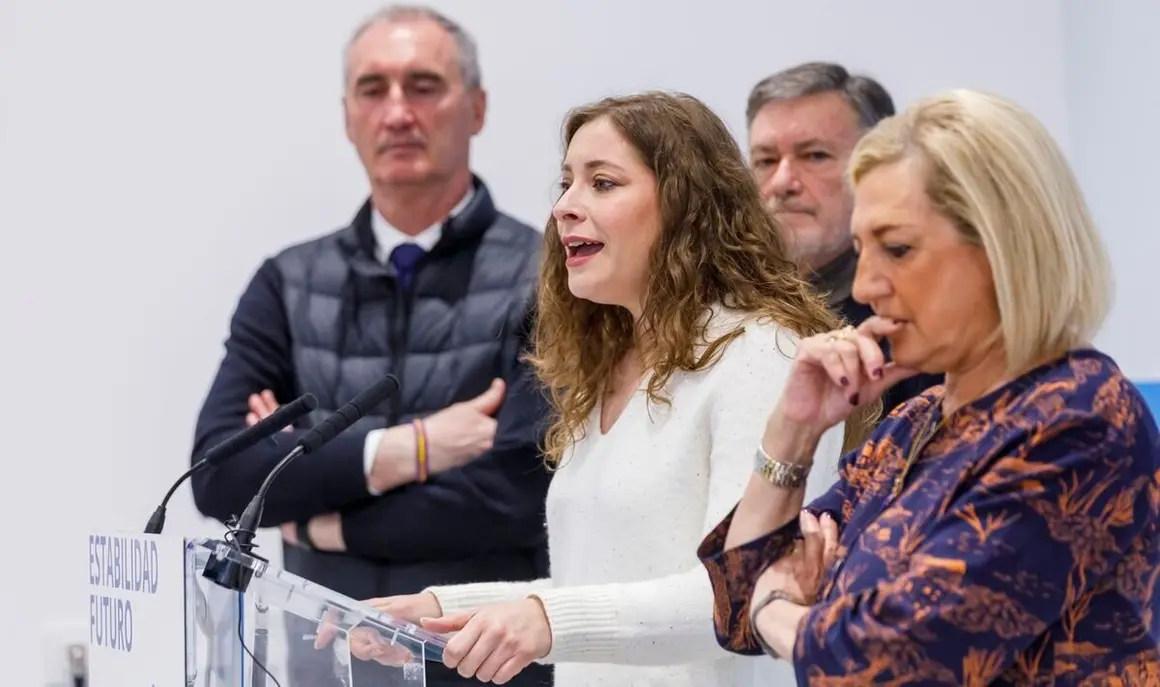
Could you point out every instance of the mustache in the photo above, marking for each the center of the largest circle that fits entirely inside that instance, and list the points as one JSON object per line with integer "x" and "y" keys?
{"x": 396, "y": 142}
{"x": 776, "y": 205}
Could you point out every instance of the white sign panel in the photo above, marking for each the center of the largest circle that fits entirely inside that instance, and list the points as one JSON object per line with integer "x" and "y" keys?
{"x": 136, "y": 610}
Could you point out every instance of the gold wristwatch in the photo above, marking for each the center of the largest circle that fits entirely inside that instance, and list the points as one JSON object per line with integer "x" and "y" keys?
{"x": 777, "y": 473}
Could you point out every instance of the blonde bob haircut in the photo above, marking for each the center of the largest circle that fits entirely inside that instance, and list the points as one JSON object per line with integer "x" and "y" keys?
{"x": 996, "y": 173}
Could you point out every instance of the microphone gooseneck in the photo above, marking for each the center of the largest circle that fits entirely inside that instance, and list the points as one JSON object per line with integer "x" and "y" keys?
{"x": 241, "y": 536}
{"x": 273, "y": 423}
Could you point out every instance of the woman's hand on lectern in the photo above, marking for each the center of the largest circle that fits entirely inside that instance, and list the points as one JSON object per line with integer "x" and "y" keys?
{"x": 368, "y": 644}
{"x": 408, "y": 607}
{"x": 494, "y": 643}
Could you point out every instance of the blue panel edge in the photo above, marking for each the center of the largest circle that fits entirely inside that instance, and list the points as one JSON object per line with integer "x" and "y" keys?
{"x": 1151, "y": 392}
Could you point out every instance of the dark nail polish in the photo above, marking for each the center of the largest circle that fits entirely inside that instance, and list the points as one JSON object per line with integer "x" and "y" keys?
{"x": 843, "y": 381}
{"x": 854, "y": 399}
{"x": 878, "y": 373}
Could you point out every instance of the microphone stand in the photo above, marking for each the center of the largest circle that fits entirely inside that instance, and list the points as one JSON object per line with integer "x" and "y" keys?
{"x": 259, "y": 670}
{"x": 246, "y": 529}
{"x": 266, "y": 427}
{"x": 231, "y": 573}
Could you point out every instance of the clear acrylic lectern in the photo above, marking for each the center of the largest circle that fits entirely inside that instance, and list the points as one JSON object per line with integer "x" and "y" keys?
{"x": 302, "y": 633}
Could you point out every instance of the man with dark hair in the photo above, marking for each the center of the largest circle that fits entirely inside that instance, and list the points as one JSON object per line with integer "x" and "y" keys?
{"x": 432, "y": 283}
{"x": 803, "y": 125}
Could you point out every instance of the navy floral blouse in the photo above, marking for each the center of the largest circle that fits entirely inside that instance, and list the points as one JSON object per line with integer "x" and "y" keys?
{"x": 1024, "y": 548}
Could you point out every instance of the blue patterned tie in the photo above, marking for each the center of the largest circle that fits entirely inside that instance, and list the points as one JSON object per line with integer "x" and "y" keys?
{"x": 404, "y": 258}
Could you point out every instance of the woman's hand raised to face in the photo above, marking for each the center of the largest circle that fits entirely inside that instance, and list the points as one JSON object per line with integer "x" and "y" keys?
{"x": 834, "y": 373}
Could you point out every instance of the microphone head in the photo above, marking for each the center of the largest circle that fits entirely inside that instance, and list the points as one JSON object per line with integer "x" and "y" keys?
{"x": 375, "y": 395}
{"x": 273, "y": 423}
{"x": 349, "y": 414}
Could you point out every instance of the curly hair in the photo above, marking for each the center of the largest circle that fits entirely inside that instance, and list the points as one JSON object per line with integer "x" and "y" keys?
{"x": 718, "y": 246}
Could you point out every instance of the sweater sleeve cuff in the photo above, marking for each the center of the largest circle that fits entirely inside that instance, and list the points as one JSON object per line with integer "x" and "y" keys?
{"x": 465, "y": 597}
{"x": 583, "y": 622}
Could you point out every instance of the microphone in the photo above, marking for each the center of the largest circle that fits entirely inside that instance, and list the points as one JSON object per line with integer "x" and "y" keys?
{"x": 319, "y": 435}
{"x": 273, "y": 423}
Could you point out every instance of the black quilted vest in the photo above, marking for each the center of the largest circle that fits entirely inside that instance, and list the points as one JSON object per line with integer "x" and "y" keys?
{"x": 445, "y": 339}
{"x": 351, "y": 325}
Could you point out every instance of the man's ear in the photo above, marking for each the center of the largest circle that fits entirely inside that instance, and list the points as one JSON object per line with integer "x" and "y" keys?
{"x": 478, "y": 109}
{"x": 346, "y": 119}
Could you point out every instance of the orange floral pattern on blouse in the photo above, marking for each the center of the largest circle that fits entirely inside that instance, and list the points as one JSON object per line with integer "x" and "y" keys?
{"x": 1024, "y": 549}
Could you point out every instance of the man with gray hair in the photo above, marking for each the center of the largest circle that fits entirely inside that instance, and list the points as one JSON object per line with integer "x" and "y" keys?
{"x": 429, "y": 282}
{"x": 803, "y": 125}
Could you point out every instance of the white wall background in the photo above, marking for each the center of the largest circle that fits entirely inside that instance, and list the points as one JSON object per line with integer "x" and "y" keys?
{"x": 1112, "y": 63}
{"x": 150, "y": 156}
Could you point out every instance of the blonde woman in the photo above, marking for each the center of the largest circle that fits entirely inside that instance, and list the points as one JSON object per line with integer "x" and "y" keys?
{"x": 1003, "y": 528}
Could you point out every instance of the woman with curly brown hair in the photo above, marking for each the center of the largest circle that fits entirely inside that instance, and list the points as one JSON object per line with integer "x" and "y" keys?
{"x": 667, "y": 319}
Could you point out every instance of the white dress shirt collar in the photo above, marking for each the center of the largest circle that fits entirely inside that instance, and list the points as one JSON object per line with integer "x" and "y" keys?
{"x": 387, "y": 237}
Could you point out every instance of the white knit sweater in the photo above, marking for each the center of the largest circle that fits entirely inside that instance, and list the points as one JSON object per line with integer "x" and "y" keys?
{"x": 628, "y": 602}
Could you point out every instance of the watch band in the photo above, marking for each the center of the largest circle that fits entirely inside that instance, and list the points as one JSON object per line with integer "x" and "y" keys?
{"x": 760, "y": 606}
{"x": 785, "y": 475}
{"x": 303, "y": 529}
